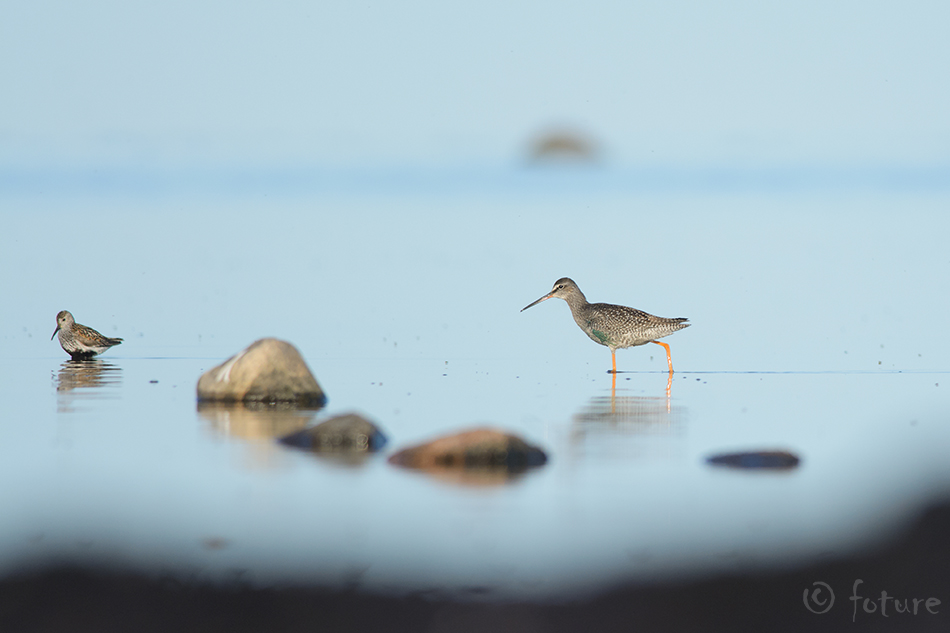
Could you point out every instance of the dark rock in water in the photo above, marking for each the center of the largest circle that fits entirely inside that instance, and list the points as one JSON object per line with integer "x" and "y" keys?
{"x": 482, "y": 448}
{"x": 269, "y": 371}
{"x": 343, "y": 434}
{"x": 756, "y": 460}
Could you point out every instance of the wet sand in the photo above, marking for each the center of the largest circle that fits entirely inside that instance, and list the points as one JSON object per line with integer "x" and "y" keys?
{"x": 79, "y": 600}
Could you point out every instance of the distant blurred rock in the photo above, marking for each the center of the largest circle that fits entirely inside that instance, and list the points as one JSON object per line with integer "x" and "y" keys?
{"x": 563, "y": 146}
{"x": 342, "y": 434}
{"x": 482, "y": 448}
{"x": 269, "y": 371}
{"x": 768, "y": 460}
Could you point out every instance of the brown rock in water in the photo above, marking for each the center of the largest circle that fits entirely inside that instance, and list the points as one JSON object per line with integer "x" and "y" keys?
{"x": 269, "y": 371}
{"x": 348, "y": 433}
{"x": 482, "y": 448}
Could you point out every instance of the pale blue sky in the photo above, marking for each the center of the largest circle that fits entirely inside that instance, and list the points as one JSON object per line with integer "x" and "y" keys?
{"x": 431, "y": 82}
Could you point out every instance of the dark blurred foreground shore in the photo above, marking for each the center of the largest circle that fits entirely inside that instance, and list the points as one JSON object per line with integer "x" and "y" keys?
{"x": 916, "y": 565}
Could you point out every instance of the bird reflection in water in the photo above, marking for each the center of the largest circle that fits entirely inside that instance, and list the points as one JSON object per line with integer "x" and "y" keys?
{"x": 669, "y": 387}
{"x": 86, "y": 379}
{"x": 87, "y": 374}
{"x": 639, "y": 413}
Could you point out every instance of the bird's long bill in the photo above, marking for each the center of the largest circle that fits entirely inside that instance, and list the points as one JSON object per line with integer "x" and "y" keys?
{"x": 54, "y": 333}
{"x": 544, "y": 298}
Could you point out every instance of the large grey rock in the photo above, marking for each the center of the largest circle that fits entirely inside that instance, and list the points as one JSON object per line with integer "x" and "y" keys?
{"x": 269, "y": 371}
{"x": 348, "y": 433}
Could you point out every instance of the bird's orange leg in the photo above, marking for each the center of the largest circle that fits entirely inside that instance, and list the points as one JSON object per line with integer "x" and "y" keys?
{"x": 669, "y": 358}
{"x": 613, "y": 357}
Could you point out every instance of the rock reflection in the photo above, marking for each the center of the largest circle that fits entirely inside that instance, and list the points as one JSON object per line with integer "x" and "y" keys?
{"x": 484, "y": 477}
{"x": 262, "y": 422}
{"x": 86, "y": 379}
{"x": 342, "y": 461}
{"x": 258, "y": 425}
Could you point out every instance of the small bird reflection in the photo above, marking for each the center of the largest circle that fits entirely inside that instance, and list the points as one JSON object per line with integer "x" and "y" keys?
{"x": 87, "y": 380}
{"x": 87, "y": 374}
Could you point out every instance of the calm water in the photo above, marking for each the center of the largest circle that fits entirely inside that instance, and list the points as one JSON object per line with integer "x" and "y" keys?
{"x": 817, "y": 328}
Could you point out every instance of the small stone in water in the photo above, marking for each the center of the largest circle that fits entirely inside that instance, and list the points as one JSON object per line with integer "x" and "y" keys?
{"x": 757, "y": 460}
{"x": 348, "y": 433}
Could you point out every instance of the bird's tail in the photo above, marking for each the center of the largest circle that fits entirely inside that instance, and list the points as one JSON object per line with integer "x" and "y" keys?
{"x": 668, "y": 326}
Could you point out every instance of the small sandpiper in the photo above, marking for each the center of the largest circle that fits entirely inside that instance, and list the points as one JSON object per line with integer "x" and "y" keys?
{"x": 79, "y": 341}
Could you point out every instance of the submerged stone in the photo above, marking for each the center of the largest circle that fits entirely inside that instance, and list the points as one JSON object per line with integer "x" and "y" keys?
{"x": 348, "y": 433}
{"x": 268, "y": 371}
{"x": 768, "y": 460}
{"x": 482, "y": 448}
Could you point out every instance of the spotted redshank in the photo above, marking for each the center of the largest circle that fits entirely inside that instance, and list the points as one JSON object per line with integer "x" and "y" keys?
{"x": 79, "y": 341}
{"x": 614, "y": 326}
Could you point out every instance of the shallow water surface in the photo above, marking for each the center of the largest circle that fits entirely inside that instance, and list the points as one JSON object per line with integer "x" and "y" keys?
{"x": 812, "y": 332}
